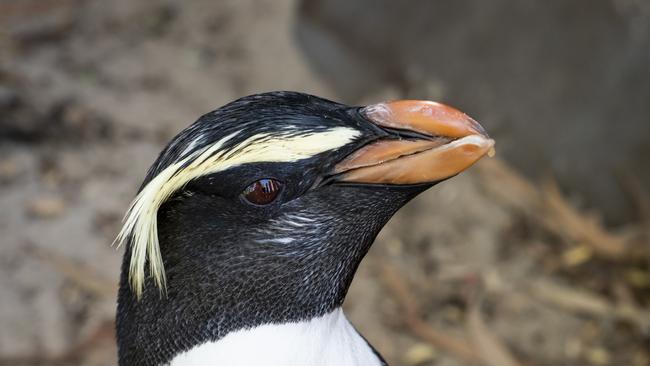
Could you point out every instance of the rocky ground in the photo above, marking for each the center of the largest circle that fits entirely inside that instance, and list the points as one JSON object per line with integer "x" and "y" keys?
{"x": 490, "y": 268}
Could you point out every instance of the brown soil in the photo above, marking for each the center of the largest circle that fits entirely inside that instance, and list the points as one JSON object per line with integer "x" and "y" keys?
{"x": 486, "y": 269}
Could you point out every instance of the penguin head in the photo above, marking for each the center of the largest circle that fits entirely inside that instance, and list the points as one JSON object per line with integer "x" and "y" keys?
{"x": 261, "y": 211}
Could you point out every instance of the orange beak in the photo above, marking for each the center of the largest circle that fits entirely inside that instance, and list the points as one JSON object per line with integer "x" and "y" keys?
{"x": 446, "y": 142}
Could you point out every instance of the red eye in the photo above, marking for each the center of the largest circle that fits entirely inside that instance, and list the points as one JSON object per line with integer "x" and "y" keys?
{"x": 262, "y": 192}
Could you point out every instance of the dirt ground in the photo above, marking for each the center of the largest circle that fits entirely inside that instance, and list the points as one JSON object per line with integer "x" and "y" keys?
{"x": 489, "y": 268}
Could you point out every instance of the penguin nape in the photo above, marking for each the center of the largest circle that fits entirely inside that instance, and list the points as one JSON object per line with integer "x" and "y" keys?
{"x": 248, "y": 229}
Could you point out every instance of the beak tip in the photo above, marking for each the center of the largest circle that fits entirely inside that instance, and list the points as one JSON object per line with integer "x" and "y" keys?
{"x": 478, "y": 127}
{"x": 491, "y": 151}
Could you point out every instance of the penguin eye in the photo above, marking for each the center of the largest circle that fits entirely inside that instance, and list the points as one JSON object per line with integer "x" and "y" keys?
{"x": 263, "y": 191}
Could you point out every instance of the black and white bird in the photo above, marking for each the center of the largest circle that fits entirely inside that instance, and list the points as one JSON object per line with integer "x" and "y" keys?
{"x": 248, "y": 229}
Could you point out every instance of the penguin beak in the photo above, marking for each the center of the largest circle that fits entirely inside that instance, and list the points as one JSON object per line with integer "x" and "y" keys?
{"x": 428, "y": 142}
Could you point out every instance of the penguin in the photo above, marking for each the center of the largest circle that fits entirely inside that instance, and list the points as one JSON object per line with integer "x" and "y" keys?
{"x": 247, "y": 230}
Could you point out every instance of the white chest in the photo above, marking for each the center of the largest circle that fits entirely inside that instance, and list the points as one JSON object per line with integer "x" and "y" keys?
{"x": 327, "y": 340}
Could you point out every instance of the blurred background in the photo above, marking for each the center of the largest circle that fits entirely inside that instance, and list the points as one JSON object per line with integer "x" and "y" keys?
{"x": 540, "y": 256}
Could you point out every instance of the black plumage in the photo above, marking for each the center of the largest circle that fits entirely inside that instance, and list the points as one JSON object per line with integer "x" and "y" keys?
{"x": 231, "y": 264}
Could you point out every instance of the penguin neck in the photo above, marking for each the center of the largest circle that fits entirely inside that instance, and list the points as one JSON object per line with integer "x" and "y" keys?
{"x": 329, "y": 339}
